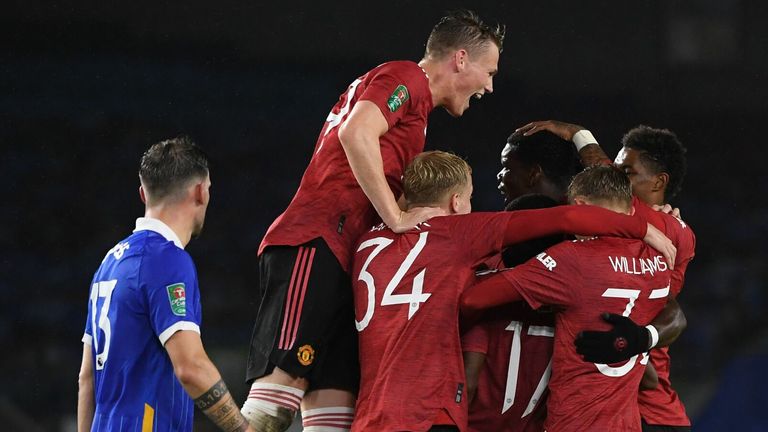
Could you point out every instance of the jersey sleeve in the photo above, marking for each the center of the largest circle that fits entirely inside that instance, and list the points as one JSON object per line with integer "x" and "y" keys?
{"x": 476, "y": 339}
{"x": 551, "y": 278}
{"x": 588, "y": 220}
{"x": 171, "y": 292}
{"x": 394, "y": 91}
{"x": 686, "y": 250}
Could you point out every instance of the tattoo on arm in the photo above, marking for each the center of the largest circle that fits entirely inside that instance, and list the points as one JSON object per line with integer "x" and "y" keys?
{"x": 213, "y": 395}
{"x": 593, "y": 154}
{"x": 219, "y": 406}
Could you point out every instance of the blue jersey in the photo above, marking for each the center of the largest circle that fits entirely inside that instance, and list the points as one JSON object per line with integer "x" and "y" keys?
{"x": 144, "y": 291}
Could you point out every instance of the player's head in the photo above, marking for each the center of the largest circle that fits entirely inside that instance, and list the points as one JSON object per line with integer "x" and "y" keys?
{"x": 604, "y": 186}
{"x": 522, "y": 252}
{"x": 654, "y": 160}
{"x": 439, "y": 179}
{"x": 469, "y": 50}
{"x": 175, "y": 171}
{"x": 541, "y": 163}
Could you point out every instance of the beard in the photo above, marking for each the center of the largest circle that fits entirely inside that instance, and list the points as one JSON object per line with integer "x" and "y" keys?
{"x": 197, "y": 229}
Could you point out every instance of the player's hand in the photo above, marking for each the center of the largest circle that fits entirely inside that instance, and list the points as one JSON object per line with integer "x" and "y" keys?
{"x": 411, "y": 218}
{"x": 561, "y": 129}
{"x": 668, "y": 209}
{"x": 657, "y": 240}
{"x": 623, "y": 341}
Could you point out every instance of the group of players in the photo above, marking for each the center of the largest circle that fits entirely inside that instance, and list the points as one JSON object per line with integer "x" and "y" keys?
{"x": 386, "y": 304}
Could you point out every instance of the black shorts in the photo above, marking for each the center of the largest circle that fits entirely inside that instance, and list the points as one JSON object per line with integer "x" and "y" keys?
{"x": 659, "y": 428}
{"x": 306, "y": 320}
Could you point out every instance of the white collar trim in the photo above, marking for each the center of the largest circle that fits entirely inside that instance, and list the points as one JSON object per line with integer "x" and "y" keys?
{"x": 158, "y": 226}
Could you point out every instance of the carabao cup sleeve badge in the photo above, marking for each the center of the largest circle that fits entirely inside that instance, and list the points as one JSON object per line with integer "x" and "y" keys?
{"x": 177, "y": 296}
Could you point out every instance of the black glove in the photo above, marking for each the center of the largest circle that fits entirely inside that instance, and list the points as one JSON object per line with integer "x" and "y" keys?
{"x": 620, "y": 343}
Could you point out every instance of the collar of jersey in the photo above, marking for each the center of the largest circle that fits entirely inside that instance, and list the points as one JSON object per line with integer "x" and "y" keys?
{"x": 156, "y": 225}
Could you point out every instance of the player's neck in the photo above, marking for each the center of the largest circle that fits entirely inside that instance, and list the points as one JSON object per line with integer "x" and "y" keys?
{"x": 176, "y": 219}
{"x": 433, "y": 69}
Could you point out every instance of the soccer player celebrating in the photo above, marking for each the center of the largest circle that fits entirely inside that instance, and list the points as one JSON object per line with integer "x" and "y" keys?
{"x": 143, "y": 361}
{"x": 619, "y": 275}
{"x": 654, "y": 160}
{"x": 407, "y": 288}
{"x": 304, "y": 338}
{"x": 507, "y": 355}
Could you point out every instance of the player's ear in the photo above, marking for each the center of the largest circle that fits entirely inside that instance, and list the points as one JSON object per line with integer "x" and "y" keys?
{"x": 534, "y": 175}
{"x": 198, "y": 192}
{"x": 455, "y": 204}
{"x": 660, "y": 182}
{"x": 460, "y": 59}
{"x": 142, "y": 194}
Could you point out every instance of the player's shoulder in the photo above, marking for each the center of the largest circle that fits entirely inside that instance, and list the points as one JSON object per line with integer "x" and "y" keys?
{"x": 159, "y": 252}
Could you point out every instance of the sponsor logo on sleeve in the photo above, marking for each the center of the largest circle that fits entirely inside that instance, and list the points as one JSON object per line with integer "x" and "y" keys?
{"x": 398, "y": 98}
{"x": 177, "y": 296}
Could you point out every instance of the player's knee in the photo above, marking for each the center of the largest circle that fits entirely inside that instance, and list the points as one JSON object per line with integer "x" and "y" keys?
{"x": 329, "y": 419}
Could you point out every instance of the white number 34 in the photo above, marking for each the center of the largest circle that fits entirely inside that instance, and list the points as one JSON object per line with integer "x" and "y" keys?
{"x": 414, "y": 299}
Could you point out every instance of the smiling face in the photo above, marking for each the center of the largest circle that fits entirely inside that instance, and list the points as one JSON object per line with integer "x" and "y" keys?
{"x": 474, "y": 77}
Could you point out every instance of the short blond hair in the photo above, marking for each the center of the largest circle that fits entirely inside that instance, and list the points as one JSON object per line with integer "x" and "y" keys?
{"x": 434, "y": 174}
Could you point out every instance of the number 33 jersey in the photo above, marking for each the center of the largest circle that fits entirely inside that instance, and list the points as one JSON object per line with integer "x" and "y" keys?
{"x": 144, "y": 291}
{"x": 407, "y": 289}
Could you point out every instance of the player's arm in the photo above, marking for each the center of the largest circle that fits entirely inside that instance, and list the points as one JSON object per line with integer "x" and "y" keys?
{"x": 202, "y": 381}
{"x": 494, "y": 290}
{"x": 85, "y": 392}
{"x": 473, "y": 365}
{"x": 589, "y": 150}
{"x": 650, "y": 378}
{"x": 359, "y": 136}
{"x": 584, "y": 220}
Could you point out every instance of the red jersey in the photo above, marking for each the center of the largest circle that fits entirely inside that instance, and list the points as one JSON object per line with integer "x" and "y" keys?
{"x": 662, "y": 405}
{"x": 329, "y": 202}
{"x": 407, "y": 289}
{"x": 582, "y": 279}
{"x": 517, "y": 342}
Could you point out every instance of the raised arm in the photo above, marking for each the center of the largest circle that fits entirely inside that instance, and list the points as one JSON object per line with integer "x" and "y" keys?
{"x": 85, "y": 401}
{"x": 202, "y": 381}
{"x": 589, "y": 150}
{"x": 359, "y": 136}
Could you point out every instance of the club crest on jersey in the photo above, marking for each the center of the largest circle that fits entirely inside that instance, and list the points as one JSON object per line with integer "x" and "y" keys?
{"x": 306, "y": 355}
{"x": 398, "y": 98}
{"x": 177, "y": 296}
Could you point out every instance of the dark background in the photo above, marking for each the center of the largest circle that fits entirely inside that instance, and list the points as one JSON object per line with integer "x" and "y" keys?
{"x": 85, "y": 90}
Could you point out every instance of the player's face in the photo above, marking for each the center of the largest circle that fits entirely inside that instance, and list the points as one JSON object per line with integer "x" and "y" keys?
{"x": 475, "y": 78}
{"x": 199, "y": 221}
{"x": 641, "y": 178}
{"x": 513, "y": 177}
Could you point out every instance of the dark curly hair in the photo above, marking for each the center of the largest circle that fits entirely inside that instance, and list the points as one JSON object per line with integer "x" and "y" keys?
{"x": 660, "y": 151}
{"x": 556, "y": 157}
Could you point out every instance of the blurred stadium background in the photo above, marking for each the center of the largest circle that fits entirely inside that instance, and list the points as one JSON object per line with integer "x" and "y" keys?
{"x": 85, "y": 89}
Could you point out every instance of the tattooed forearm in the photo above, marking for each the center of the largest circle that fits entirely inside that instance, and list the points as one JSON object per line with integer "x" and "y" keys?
{"x": 218, "y": 405}
{"x": 593, "y": 154}
{"x": 213, "y": 395}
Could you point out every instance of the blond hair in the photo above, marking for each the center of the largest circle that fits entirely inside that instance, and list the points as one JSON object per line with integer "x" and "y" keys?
{"x": 602, "y": 184}
{"x": 432, "y": 175}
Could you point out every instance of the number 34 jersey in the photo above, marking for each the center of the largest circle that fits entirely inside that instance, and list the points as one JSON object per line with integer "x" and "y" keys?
{"x": 144, "y": 291}
{"x": 407, "y": 289}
